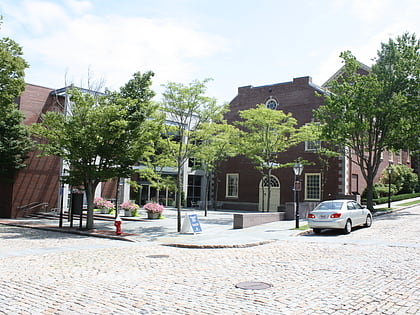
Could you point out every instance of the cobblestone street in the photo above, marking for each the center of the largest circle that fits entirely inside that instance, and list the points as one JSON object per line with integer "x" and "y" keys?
{"x": 370, "y": 271}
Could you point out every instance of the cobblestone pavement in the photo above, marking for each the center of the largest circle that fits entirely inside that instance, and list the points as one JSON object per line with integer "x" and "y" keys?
{"x": 370, "y": 271}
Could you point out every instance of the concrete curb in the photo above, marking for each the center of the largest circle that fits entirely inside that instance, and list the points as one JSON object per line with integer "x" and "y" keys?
{"x": 208, "y": 246}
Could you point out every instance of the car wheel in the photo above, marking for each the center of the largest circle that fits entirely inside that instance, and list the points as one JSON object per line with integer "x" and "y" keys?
{"x": 368, "y": 221}
{"x": 347, "y": 227}
{"x": 317, "y": 231}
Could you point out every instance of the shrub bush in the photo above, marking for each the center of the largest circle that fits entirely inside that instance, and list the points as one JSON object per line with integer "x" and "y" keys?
{"x": 396, "y": 198}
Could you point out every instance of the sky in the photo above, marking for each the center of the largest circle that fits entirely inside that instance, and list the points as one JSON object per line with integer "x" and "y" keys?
{"x": 234, "y": 42}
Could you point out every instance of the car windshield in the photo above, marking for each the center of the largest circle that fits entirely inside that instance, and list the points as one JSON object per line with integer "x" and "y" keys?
{"x": 329, "y": 205}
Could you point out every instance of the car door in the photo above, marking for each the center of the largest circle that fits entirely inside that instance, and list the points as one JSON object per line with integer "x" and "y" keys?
{"x": 357, "y": 213}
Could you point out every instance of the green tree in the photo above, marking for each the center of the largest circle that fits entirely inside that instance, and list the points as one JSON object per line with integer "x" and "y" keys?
{"x": 15, "y": 142}
{"x": 102, "y": 139}
{"x": 266, "y": 135}
{"x": 217, "y": 142}
{"x": 402, "y": 177}
{"x": 355, "y": 120}
{"x": 367, "y": 114}
{"x": 398, "y": 68}
{"x": 157, "y": 157}
{"x": 186, "y": 108}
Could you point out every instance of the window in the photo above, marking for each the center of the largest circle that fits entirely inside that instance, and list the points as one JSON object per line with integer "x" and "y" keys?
{"x": 313, "y": 186}
{"x": 232, "y": 182}
{"x": 354, "y": 183}
{"x": 271, "y": 103}
{"x": 312, "y": 146}
{"x": 399, "y": 157}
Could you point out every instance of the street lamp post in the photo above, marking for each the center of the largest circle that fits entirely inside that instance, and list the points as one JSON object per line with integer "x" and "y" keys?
{"x": 389, "y": 170}
{"x": 297, "y": 169}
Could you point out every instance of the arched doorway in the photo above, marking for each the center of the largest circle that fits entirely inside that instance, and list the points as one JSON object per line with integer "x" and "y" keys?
{"x": 274, "y": 194}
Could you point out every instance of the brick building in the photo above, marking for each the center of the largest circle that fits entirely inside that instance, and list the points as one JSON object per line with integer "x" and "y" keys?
{"x": 35, "y": 187}
{"x": 240, "y": 186}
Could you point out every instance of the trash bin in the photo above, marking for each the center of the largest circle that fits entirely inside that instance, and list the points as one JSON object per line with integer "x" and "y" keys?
{"x": 76, "y": 203}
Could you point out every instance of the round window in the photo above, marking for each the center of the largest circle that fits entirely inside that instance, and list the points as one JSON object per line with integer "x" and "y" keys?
{"x": 271, "y": 103}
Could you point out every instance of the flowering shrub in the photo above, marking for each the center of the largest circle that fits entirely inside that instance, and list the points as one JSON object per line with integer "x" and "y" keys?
{"x": 154, "y": 207}
{"x": 130, "y": 206}
{"x": 101, "y": 203}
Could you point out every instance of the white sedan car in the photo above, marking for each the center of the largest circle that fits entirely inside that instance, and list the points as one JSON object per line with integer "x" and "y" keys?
{"x": 339, "y": 214}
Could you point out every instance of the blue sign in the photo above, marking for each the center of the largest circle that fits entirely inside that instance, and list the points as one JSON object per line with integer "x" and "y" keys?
{"x": 195, "y": 223}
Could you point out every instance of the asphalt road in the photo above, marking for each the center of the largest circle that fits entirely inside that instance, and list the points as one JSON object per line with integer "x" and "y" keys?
{"x": 370, "y": 271}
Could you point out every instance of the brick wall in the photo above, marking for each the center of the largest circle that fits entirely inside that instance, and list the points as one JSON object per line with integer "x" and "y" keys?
{"x": 299, "y": 98}
{"x": 39, "y": 181}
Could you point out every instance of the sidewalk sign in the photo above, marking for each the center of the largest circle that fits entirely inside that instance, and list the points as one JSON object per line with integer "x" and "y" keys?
{"x": 191, "y": 224}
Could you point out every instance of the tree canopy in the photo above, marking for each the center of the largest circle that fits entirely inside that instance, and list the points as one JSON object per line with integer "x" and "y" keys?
{"x": 186, "y": 107}
{"x": 366, "y": 114}
{"x": 15, "y": 142}
{"x": 266, "y": 134}
{"x": 397, "y": 67}
{"x": 102, "y": 139}
{"x": 217, "y": 142}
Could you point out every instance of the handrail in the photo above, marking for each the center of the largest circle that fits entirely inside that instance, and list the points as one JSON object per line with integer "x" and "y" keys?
{"x": 27, "y": 208}
{"x": 28, "y": 205}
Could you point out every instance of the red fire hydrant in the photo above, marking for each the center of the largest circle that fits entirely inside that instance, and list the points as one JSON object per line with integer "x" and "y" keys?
{"x": 118, "y": 226}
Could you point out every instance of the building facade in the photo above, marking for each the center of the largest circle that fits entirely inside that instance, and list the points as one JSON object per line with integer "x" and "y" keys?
{"x": 241, "y": 187}
{"x": 238, "y": 185}
{"x": 35, "y": 187}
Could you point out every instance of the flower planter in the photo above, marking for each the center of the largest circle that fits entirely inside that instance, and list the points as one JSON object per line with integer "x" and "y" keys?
{"x": 127, "y": 213}
{"x": 153, "y": 215}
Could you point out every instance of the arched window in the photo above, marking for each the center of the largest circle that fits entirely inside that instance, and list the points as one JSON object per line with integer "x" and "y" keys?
{"x": 273, "y": 181}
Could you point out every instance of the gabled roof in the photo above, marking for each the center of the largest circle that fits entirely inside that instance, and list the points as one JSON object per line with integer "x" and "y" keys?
{"x": 340, "y": 72}
{"x": 63, "y": 91}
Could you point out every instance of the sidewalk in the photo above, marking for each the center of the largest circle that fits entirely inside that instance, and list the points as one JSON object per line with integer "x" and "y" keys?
{"x": 217, "y": 228}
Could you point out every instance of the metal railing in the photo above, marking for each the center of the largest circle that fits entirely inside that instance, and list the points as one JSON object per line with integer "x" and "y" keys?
{"x": 29, "y": 208}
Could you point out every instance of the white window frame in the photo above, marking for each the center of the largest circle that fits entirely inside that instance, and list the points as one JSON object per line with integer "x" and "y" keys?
{"x": 399, "y": 157}
{"x": 312, "y": 146}
{"x": 306, "y": 186}
{"x": 390, "y": 156}
{"x": 228, "y": 185}
{"x": 272, "y": 100}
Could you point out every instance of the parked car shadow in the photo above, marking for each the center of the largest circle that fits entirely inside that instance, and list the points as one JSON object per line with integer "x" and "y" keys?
{"x": 332, "y": 232}
{"x": 395, "y": 215}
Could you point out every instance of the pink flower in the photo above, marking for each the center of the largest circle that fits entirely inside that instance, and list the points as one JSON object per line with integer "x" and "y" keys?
{"x": 131, "y": 206}
{"x": 154, "y": 207}
{"x": 101, "y": 203}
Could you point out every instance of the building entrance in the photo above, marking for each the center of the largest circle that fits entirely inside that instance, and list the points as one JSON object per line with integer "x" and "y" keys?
{"x": 274, "y": 194}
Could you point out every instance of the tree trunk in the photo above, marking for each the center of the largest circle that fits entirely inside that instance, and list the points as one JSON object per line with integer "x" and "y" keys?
{"x": 90, "y": 194}
{"x": 178, "y": 201}
{"x": 369, "y": 192}
{"x": 269, "y": 190}
{"x": 206, "y": 193}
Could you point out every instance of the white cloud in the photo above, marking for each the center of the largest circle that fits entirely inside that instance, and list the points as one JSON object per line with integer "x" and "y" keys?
{"x": 114, "y": 47}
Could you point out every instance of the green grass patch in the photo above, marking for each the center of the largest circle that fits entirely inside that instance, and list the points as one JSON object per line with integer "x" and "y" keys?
{"x": 415, "y": 202}
{"x": 302, "y": 227}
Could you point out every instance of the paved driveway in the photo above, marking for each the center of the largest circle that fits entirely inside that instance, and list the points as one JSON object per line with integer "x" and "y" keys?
{"x": 370, "y": 271}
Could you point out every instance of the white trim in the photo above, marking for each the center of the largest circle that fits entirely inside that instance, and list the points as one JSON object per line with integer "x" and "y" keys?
{"x": 227, "y": 185}
{"x": 306, "y": 186}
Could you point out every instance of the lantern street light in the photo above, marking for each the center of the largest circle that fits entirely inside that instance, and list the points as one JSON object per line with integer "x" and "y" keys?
{"x": 297, "y": 169}
{"x": 389, "y": 170}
